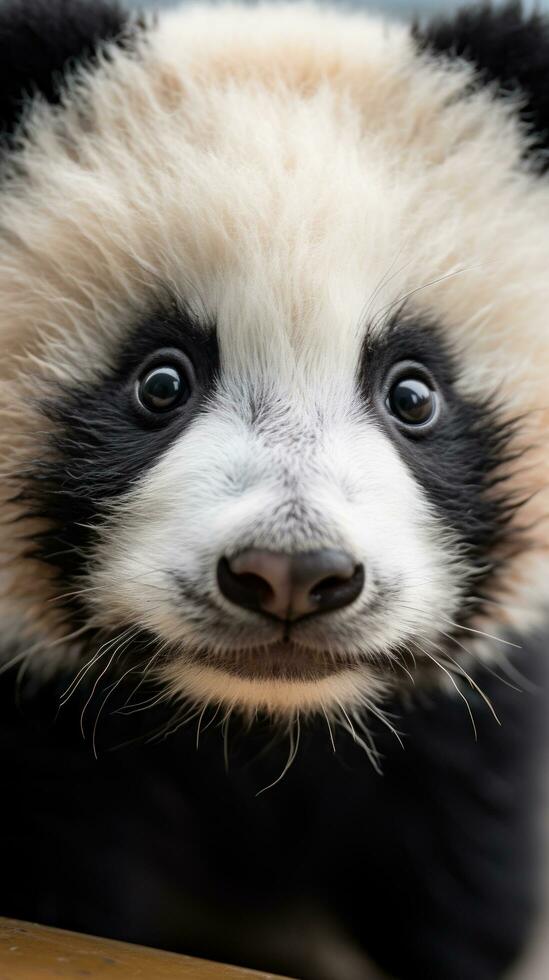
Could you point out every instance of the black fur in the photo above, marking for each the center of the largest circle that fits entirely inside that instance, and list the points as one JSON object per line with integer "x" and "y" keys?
{"x": 103, "y": 444}
{"x": 41, "y": 39}
{"x": 509, "y": 48}
{"x": 462, "y": 462}
{"x": 429, "y": 867}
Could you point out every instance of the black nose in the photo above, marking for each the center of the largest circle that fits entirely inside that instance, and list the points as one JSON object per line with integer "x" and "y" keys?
{"x": 290, "y": 586}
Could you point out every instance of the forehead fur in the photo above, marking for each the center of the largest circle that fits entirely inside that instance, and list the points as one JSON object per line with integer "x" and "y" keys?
{"x": 292, "y": 174}
{"x": 273, "y": 165}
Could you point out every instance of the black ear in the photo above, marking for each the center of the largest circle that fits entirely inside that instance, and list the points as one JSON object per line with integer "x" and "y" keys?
{"x": 507, "y": 47}
{"x": 41, "y": 39}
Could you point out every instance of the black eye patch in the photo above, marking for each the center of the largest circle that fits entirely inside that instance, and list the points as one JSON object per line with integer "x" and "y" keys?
{"x": 106, "y": 437}
{"x": 455, "y": 446}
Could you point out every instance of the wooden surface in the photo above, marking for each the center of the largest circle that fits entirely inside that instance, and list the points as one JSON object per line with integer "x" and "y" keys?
{"x": 32, "y": 952}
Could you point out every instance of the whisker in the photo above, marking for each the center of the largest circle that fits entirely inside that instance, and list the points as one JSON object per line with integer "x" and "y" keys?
{"x": 468, "y": 677}
{"x": 454, "y": 683}
{"x": 103, "y": 649}
{"x": 382, "y": 717}
{"x": 104, "y": 702}
{"x": 94, "y": 688}
{"x": 144, "y": 675}
{"x": 330, "y": 731}
{"x": 368, "y": 746}
{"x": 116, "y": 650}
{"x": 490, "y": 636}
{"x": 144, "y": 705}
{"x": 294, "y": 746}
{"x": 202, "y": 713}
{"x": 225, "y": 734}
{"x": 403, "y": 299}
{"x": 174, "y": 724}
{"x": 14, "y": 660}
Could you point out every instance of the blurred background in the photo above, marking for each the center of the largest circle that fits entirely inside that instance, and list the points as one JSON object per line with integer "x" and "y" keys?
{"x": 396, "y": 8}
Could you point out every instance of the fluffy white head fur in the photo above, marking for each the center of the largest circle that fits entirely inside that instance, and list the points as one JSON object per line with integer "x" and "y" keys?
{"x": 290, "y": 173}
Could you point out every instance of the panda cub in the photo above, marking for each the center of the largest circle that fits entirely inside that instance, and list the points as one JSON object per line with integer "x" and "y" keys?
{"x": 274, "y": 457}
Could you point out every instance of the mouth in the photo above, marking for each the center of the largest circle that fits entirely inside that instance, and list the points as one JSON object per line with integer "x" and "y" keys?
{"x": 285, "y": 661}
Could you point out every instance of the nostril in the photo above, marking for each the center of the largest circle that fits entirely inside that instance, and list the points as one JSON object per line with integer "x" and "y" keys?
{"x": 336, "y": 591}
{"x": 327, "y": 585}
{"x": 245, "y": 589}
{"x": 253, "y": 583}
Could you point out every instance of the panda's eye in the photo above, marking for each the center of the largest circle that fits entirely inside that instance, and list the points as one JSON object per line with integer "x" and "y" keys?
{"x": 164, "y": 387}
{"x": 412, "y": 399}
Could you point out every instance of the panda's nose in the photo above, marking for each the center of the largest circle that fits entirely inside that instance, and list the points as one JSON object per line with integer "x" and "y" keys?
{"x": 289, "y": 586}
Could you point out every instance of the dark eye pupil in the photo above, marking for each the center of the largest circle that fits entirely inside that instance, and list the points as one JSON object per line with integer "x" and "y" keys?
{"x": 412, "y": 401}
{"x": 162, "y": 389}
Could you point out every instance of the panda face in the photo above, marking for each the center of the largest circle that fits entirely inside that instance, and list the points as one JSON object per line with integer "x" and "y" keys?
{"x": 201, "y": 477}
{"x": 268, "y": 312}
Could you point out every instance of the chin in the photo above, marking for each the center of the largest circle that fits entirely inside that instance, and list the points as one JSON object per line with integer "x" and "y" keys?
{"x": 263, "y": 682}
